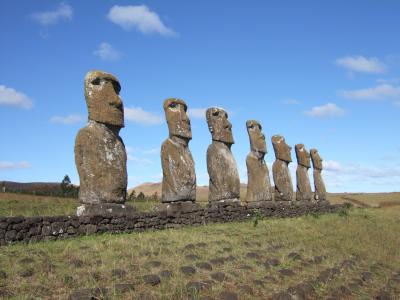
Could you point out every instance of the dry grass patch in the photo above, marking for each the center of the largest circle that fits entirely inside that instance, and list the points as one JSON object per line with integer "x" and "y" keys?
{"x": 253, "y": 262}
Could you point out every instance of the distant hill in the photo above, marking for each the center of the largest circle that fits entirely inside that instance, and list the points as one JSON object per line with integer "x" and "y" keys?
{"x": 30, "y": 187}
{"x": 149, "y": 188}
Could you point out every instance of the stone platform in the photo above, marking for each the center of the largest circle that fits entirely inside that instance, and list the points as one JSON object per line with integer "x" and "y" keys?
{"x": 32, "y": 229}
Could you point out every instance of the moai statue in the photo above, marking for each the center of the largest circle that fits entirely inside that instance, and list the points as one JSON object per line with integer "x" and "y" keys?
{"x": 259, "y": 185}
{"x": 224, "y": 183}
{"x": 320, "y": 191}
{"x": 100, "y": 154}
{"x": 280, "y": 170}
{"x": 179, "y": 178}
{"x": 303, "y": 191}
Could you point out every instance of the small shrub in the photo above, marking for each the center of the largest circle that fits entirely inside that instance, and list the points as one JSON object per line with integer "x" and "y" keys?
{"x": 315, "y": 214}
{"x": 343, "y": 212}
{"x": 348, "y": 205}
{"x": 257, "y": 216}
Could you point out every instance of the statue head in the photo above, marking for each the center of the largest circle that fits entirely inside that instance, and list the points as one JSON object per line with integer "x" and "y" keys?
{"x": 302, "y": 155}
{"x": 316, "y": 159}
{"x": 102, "y": 98}
{"x": 281, "y": 149}
{"x": 257, "y": 138}
{"x": 177, "y": 118}
{"x": 219, "y": 125}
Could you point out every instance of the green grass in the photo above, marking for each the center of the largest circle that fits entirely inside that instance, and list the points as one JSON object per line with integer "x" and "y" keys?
{"x": 60, "y": 267}
{"x": 367, "y": 199}
{"x": 12, "y": 204}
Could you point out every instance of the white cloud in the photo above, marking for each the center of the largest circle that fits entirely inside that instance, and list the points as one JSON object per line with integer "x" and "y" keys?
{"x": 379, "y": 92}
{"x": 332, "y": 165}
{"x": 389, "y": 80}
{"x": 7, "y": 165}
{"x": 291, "y": 101}
{"x": 361, "y": 64}
{"x": 197, "y": 113}
{"x": 350, "y": 176}
{"x": 68, "y": 120}
{"x": 142, "y": 151}
{"x": 139, "y": 17}
{"x": 135, "y": 159}
{"x": 396, "y": 103}
{"x": 151, "y": 151}
{"x": 139, "y": 160}
{"x": 11, "y": 97}
{"x": 328, "y": 110}
{"x": 63, "y": 12}
{"x": 359, "y": 172}
{"x": 140, "y": 116}
{"x": 107, "y": 52}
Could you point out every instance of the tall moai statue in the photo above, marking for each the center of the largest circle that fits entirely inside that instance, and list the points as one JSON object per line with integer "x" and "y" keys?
{"x": 224, "y": 183}
{"x": 320, "y": 190}
{"x": 100, "y": 154}
{"x": 259, "y": 185}
{"x": 280, "y": 170}
{"x": 179, "y": 178}
{"x": 303, "y": 191}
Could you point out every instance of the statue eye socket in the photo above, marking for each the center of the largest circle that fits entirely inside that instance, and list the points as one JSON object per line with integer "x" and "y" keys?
{"x": 216, "y": 113}
{"x": 96, "y": 81}
{"x": 172, "y": 105}
{"x": 117, "y": 87}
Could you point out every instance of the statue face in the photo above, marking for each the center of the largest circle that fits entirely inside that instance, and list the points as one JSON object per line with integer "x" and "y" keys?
{"x": 102, "y": 98}
{"x": 303, "y": 157}
{"x": 316, "y": 159}
{"x": 219, "y": 125}
{"x": 177, "y": 118}
{"x": 257, "y": 138}
{"x": 281, "y": 149}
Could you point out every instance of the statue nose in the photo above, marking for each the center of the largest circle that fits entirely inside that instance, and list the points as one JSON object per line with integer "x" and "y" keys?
{"x": 228, "y": 125}
{"x": 116, "y": 102}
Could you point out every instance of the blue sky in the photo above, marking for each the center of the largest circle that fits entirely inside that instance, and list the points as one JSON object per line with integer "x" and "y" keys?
{"x": 326, "y": 74}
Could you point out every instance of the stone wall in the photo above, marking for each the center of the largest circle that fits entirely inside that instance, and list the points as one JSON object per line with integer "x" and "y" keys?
{"x": 33, "y": 229}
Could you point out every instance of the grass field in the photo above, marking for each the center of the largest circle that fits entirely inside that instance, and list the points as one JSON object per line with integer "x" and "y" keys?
{"x": 12, "y": 204}
{"x": 350, "y": 255}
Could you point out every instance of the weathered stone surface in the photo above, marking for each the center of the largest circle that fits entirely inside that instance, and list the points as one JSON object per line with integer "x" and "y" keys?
{"x": 204, "y": 266}
{"x": 100, "y": 154}
{"x": 280, "y": 169}
{"x": 303, "y": 191}
{"x": 179, "y": 178}
{"x": 259, "y": 184}
{"x": 221, "y": 166}
{"x": 124, "y": 287}
{"x": 196, "y": 286}
{"x": 227, "y": 295}
{"x": 104, "y": 209}
{"x": 188, "y": 270}
{"x": 166, "y": 274}
{"x": 151, "y": 279}
{"x": 102, "y": 98}
{"x": 171, "y": 208}
{"x": 218, "y": 276}
{"x": 320, "y": 190}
